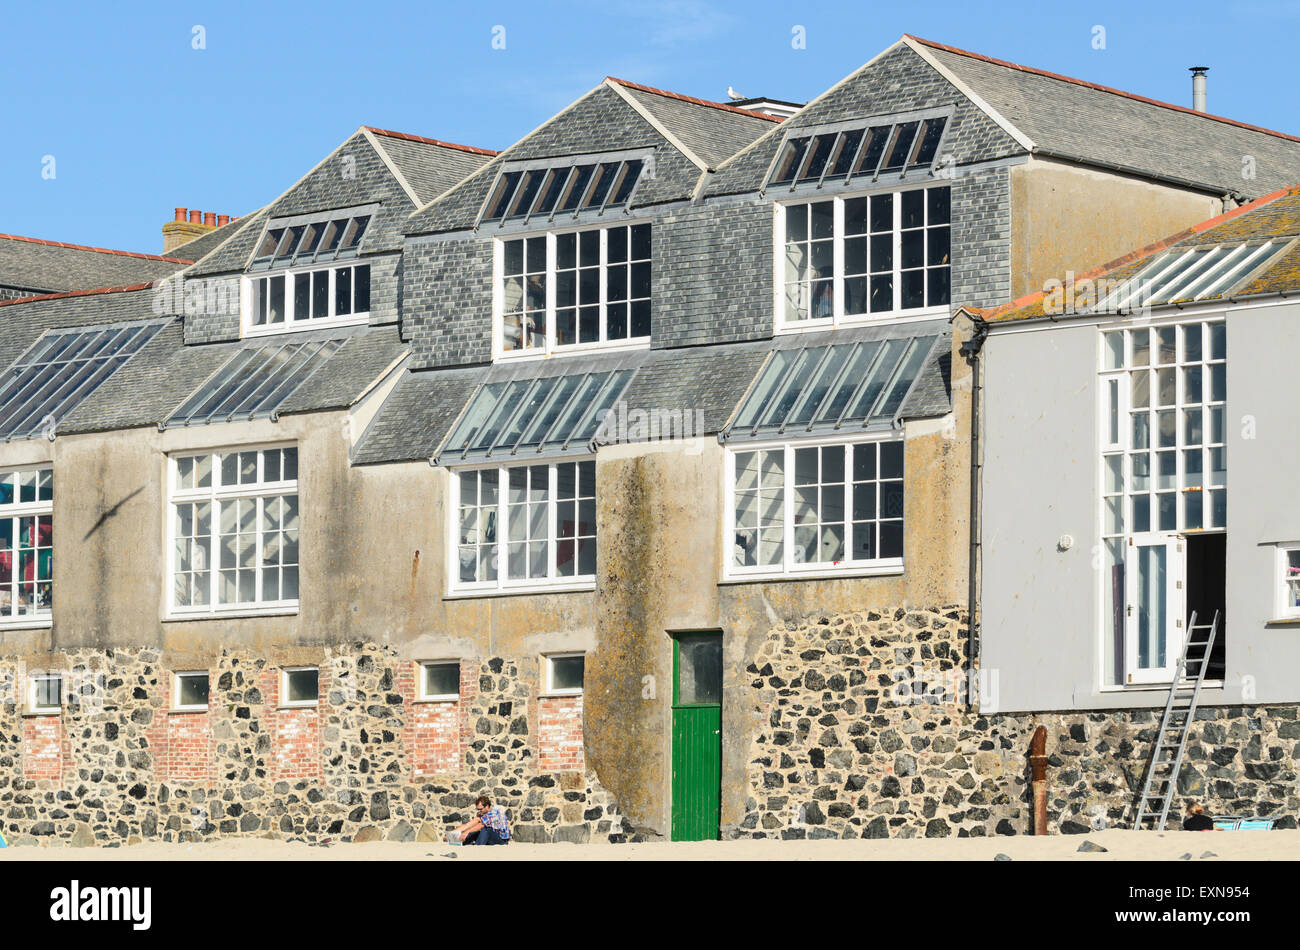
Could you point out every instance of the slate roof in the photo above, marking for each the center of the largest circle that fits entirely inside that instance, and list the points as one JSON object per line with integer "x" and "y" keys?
{"x": 42, "y": 267}
{"x": 1275, "y": 216}
{"x": 205, "y": 244}
{"x": 417, "y": 415}
{"x": 1071, "y": 117}
{"x": 605, "y": 120}
{"x": 429, "y": 166}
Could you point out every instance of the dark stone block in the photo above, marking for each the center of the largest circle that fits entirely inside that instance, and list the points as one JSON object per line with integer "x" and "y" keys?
{"x": 1005, "y": 827}
{"x": 937, "y": 828}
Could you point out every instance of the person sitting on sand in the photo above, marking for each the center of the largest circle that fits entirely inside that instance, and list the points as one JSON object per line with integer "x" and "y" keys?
{"x": 1196, "y": 819}
{"x": 490, "y": 827}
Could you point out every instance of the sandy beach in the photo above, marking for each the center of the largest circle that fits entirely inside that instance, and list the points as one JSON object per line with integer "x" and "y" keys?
{"x": 1120, "y": 845}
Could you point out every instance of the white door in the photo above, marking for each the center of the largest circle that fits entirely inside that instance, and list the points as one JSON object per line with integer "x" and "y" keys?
{"x": 1154, "y": 626}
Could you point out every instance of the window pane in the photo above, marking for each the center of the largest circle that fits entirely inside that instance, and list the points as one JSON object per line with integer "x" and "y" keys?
{"x": 441, "y": 679}
{"x": 567, "y": 672}
{"x": 303, "y": 686}
{"x": 699, "y": 669}
{"x": 192, "y": 689}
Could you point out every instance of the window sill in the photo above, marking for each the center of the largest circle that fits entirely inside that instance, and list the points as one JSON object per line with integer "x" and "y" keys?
{"x": 588, "y": 587}
{"x": 890, "y": 571}
{"x": 231, "y": 614}
{"x": 36, "y": 623}
{"x": 576, "y": 349}
{"x": 40, "y": 713}
{"x": 299, "y": 326}
{"x": 187, "y": 712}
{"x": 438, "y": 700}
{"x": 1149, "y": 687}
{"x": 315, "y": 705}
{"x": 828, "y": 323}
{"x": 569, "y": 694}
{"x": 1283, "y": 622}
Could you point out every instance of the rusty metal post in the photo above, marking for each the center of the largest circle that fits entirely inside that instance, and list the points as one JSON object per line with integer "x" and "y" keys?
{"x": 1038, "y": 763}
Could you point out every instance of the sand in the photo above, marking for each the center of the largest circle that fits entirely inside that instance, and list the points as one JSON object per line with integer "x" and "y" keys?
{"x": 1121, "y": 845}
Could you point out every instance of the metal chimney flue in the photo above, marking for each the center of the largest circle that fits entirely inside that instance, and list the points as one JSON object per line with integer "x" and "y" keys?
{"x": 1198, "y": 87}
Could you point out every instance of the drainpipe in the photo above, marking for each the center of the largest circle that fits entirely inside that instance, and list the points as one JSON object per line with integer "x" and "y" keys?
{"x": 1038, "y": 763}
{"x": 970, "y": 350}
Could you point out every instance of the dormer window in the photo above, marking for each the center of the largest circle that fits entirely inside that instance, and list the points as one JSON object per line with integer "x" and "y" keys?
{"x": 307, "y": 284}
{"x": 861, "y": 153}
{"x": 554, "y": 192}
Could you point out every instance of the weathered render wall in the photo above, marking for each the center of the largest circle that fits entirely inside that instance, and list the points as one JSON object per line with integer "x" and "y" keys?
{"x": 1070, "y": 218}
{"x": 122, "y": 766}
{"x": 659, "y": 572}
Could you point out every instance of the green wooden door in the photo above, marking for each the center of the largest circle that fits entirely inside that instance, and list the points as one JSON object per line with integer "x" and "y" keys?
{"x": 697, "y": 736}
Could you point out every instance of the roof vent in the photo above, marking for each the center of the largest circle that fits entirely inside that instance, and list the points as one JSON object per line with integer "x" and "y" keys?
{"x": 1198, "y": 86}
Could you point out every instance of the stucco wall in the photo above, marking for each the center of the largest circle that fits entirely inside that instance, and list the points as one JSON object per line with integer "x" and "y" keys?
{"x": 1070, "y": 218}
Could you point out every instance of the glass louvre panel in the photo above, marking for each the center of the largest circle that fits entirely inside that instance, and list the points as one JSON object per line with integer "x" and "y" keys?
{"x": 838, "y": 385}
{"x": 562, "y": 188}
{"x": 818, "y": 156}
{"x": 254, "y": 381}
{"x": 1194, "y": 274}
{"x": 831, "y": 156}
{"x": 901, "y": 146}
{"x": 928, "y": 145}
{"x": 562, "y": 413}
{"x": 60, "y": 370}
{"x": 869, "y": 155}
{"x": 790, "y": 160}
{"x": 845, "y": 151}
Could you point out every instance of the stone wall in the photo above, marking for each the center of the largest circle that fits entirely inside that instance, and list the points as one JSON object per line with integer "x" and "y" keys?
{"x": 117, "y": 765}
{"x": 865, "y": 733}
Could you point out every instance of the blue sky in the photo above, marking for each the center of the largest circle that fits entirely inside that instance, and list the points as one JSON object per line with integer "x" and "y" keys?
{"x": 138, "y": 121}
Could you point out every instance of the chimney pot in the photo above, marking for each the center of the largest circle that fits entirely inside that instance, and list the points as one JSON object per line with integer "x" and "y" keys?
{"x": 196, "y": 217}
{"x": 210, "y": 218}
{"x": 1198, "y": 86}
{"x": 180, "y": 213}
{"x": 223, "y": 220}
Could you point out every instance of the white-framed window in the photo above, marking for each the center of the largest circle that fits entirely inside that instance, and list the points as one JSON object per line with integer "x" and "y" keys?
{"x": 190, "y": 690}
{"x": 45, "y": 693}
{"x": 548, "y": 511}
{"x": 26, "y": 545}
{"x": 573, "y": 290}
{"x": 1288, "y": 581}
{"x": 439, "y": 681}
{"x": 300, "y": 686}
{"x": 863, "y": 257}
{"x": 307, "y": 298}
{"x": 565, "y": 673}
{"x": 1164, "y": 451}
{"x": 816, "y": 507}
{"x": 234, "y": 529}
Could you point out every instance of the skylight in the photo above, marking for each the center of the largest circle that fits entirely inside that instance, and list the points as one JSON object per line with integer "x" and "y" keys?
{"x": 842, "y": 155}
{"x": 254, "y": 382}
{"x": 1189, "y": 275}
{"x": 61, "y": 369}
{"x": 531, "y": 418}
{"x": 562, "y": 190}
{"x": 840, "y": 387}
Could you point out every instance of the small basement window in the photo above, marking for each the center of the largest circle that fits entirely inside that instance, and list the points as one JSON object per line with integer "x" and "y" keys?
{"x": 300, "y": 686}
{"x": 191, "y": 691}
{"x": 440, "y": 681}
{"x": 45, "y": 695}
{"x": 565, "y": 673}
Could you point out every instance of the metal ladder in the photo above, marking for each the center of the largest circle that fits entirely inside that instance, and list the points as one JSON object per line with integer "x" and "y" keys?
{"x": 1178, "y": 719}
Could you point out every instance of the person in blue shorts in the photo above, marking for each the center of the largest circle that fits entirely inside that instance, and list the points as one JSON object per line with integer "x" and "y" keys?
{"x": 490, "y": 827}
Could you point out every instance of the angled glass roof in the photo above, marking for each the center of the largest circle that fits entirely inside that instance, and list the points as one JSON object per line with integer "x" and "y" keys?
{"x": 61, "y": 369}
{"x": 833, "y": 388}
{"x": 1193, "y": 274}
{"x": 254, "y": 382}
{"x": 311, "y": 241}
{"x": 525, "y": 419}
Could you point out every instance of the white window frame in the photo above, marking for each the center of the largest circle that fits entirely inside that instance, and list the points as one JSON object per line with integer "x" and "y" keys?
{"x": 549, "y": 662}
{"x": 284, "y": 687}
{"x": 13, "y": 512}
{"x": 424, "y": 697}
{"x": 177, "y": 676}
{"x": 553, "y": 581}
{"x": 789, "y": 567}
{"x": 552, "y": 348}
{"x": 258, "y": 491}
{"x": 290, "y": 323}
{"x": 37, "y": 710}
{"x": 1284, "y": 611}
{"x": 837, "y": 318}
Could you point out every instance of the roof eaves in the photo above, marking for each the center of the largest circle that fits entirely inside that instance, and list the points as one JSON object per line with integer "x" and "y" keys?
{"x": 77, "y": 293}
{"x": 97, "y": 250}
{"x": 1092, "y": 85}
